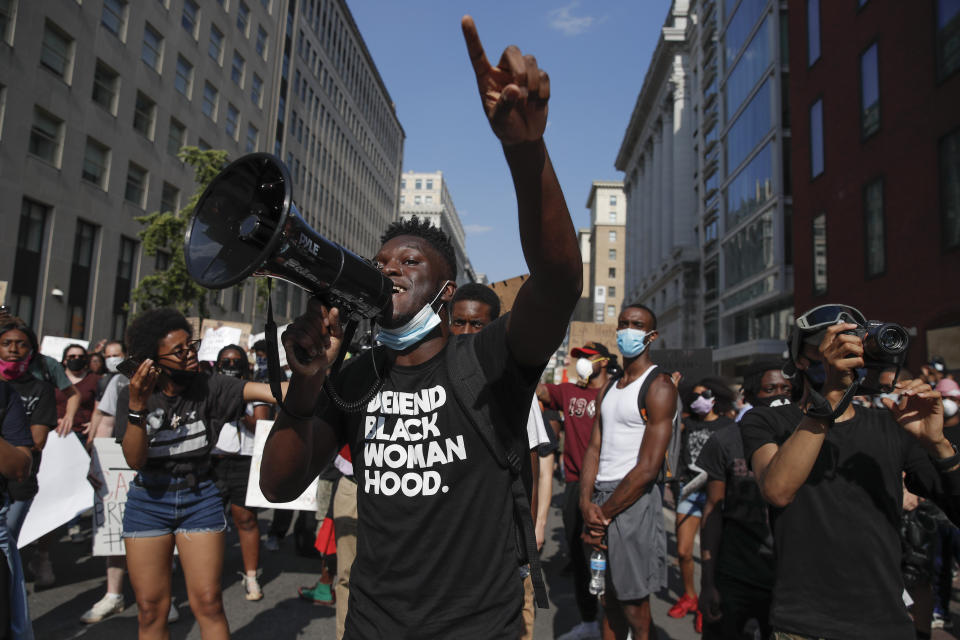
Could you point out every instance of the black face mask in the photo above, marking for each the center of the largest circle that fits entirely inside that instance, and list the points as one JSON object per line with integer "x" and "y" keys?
{"x": 76, "y": 364}
{"x": 181, "y": 377}
{"x": 232, "y": 372}
{"x": 773, "y": 401}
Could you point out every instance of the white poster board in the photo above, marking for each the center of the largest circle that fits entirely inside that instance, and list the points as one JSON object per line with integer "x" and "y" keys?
{"x": 216, "y": 339}
{"x": 262, "y": 336}
{"x": 53, "y": 346}
{"x": 64, "y": 490}
{"x": 307, "y": 500}
{"x": 110, "y": 500}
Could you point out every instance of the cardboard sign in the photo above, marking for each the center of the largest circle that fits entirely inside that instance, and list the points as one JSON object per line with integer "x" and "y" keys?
{"x": 244, "y": 327}
{"x": 111, "y": 498}
{"x": 53, "y": 346}
{"x": 216, "y": 339}
{"x": 307, "y": 500}
{"x": 64, "y": 490}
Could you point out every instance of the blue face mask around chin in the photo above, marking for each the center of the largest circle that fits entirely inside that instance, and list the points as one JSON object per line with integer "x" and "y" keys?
{"x": 816, "y": 375}
{"x": 631, "y": 342}
{"x": 415, "y": 330}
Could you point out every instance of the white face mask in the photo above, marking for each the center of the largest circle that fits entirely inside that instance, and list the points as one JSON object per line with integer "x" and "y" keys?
{"x": 584, "y": 370}
{"x": 950, "y": 407}
{"x": 111, "y": 363}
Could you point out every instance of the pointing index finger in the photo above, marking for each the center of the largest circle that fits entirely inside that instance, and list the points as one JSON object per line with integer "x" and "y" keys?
{"x": 474, "y": 47}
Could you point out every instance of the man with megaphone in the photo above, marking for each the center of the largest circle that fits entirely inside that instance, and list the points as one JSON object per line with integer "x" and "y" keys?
{"x": 438, "y": 550}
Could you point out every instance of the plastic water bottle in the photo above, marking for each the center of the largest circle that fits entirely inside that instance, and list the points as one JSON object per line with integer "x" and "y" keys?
{"x": 598, "y": 569}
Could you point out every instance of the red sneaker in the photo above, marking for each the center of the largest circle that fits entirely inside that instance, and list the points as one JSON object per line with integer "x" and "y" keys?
{"x": 698, "y": 623}
{"x": 683, "y": 606}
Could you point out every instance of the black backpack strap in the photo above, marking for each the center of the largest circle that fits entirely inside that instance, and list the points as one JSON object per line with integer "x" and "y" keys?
{"x": 469, "y": 389}
{"x": 644, "y": 388}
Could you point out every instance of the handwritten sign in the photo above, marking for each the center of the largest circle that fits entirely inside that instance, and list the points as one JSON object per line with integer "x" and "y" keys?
{"x": 216, "y": 339}
{"x": 53, "y": 346}
{"x": 255, "y": 498}
{"x": 111, "y": 498}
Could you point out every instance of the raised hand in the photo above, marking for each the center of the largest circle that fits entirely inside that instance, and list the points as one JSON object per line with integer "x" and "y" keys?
{"x": 142, "y": 384}
{"x": 919, "y": 411}
{"x": 514, "y": 93}
{"x": 316, "y": 334}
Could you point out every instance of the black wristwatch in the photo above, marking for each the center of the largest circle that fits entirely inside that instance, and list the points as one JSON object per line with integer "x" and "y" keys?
{"x": 136, "y": 417}
{"x": 945, "y": 464}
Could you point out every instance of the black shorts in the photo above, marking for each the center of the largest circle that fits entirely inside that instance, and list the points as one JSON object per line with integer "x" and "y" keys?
{"x": 233, "y": 472}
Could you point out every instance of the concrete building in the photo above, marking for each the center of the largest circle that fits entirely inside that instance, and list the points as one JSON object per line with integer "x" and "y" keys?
{"x": 657, "y": 158}
{"x": 874, "y": 93}
{"x": 112, "y": 89}
{"x": 583, "y": 312}
{"x": 425, "y": 195}
{"x": 608, "y": 243}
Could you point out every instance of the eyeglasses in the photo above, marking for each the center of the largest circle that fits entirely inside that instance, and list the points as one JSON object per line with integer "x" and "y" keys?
{"x": 829, "y": 314}
{"x": 231, "y": 363}
{"x": 706, "y": 393}
{"x": 183, "y": 352}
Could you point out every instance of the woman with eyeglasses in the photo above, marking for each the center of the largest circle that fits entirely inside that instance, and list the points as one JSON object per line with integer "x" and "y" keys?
{"x": 232, "y": 455}
{"x": 172, "y": 418}
{"x": 710, "y": 402}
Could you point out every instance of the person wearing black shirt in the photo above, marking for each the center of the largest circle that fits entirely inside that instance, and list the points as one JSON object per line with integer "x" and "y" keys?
{"x": 436, "y": 545}
{"x": 835, "y": 487}
{"x": 736, "y": 545}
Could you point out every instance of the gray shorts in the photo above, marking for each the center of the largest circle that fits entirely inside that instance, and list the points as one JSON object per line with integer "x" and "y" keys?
{"x": 636, "y": 545}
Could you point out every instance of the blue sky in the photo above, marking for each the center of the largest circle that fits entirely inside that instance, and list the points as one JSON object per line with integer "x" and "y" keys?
{"x": 596, "y": 53}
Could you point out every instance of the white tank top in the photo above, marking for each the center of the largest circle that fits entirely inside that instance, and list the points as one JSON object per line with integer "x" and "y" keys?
{"x": 623, "y": 430}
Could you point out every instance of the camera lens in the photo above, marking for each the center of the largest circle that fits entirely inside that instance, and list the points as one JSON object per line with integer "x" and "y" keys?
{"x": 891, "y": 340}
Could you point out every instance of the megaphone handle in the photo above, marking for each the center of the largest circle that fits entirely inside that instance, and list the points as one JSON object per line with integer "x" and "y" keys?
{"x": 301, "y": 354}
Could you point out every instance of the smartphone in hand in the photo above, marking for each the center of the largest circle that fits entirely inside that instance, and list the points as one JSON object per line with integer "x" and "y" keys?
{"x": 129, "y": 367}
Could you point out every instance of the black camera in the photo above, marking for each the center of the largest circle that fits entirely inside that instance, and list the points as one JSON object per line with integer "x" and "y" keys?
{"x": 884, "y": 349}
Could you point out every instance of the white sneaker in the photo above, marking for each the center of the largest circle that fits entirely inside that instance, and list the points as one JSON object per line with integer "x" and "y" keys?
{"x": 583, "y": 631}
{"x": 251, "y": 587}
{"x": 173, "y": 615}
{"x": 104, "y": 608}
{"x": 42, "y": 571}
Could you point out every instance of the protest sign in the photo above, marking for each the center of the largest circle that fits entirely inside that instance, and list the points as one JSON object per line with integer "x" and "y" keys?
{"x": 53, "y": 346}
{"x": 110, "y": 500}
{"x": 307, "y": 500}
{"x": 216, "y": 339}
{"x": 64, "y": 490}
{"x": 262, "y": 336}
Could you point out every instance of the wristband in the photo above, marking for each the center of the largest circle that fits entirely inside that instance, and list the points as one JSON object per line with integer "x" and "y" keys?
{"x": 136, "y": 417}
{"x": 945, "y": 464}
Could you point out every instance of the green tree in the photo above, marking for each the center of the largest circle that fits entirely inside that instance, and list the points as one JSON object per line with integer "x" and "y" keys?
{"x": 164, "y": 231}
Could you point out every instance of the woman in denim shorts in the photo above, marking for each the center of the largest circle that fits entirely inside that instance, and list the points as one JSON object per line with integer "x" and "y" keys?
{"x": 173, "y": 413}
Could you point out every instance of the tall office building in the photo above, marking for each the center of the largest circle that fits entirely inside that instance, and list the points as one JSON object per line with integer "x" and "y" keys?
{"x": 112, "y": 90}
{"x": 608, "y": 243}
{"x": 425, "y": 195}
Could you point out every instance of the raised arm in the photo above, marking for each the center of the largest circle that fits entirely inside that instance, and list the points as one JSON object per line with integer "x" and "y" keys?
{"x": 514, "y": 96}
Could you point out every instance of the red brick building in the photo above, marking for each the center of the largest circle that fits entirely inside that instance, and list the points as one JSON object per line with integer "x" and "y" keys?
{"x": 875, "y": 119}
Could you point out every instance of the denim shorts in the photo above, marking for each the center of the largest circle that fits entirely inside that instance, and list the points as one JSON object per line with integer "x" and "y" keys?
{"x": 153, "y": 509}
{"x": 693, "y": 504}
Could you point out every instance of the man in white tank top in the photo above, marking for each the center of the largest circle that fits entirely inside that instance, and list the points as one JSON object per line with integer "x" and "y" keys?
{"x": 619, "y": 497}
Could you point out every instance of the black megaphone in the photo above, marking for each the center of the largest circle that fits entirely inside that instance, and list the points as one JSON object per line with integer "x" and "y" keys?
{"x": 246, "y": 224}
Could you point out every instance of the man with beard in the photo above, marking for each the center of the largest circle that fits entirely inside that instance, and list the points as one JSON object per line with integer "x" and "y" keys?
{"x": 436, "y": 544}
{"x": 834, "y": 473}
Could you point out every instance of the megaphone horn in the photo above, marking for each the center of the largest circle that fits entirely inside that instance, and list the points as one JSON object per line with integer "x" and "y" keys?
{"x": 246, "y": 224}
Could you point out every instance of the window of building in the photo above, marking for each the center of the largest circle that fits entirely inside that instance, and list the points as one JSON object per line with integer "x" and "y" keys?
{"x": 874, "y": 228}
{"x": 869, "y": 92}
{"x": 418, "y": 184}
{"x": 949, "y": 161}
{"x": 417, "y": 200}
{"x": 183, "y": 81}
{"x": 96, "y": 157}
{"x": 612, "y": 254}
{"x": 429, "y": 184}
{"x": 190, "y": 17}
{"x": 266, "y": 5}
{"x": 261, "y": 43}
{"x": 210, "y": 97}
{"x": 428, "y": 199}
{"x": 124, "y": 281}
{"x": 752, "y": 65}
{"x": 169, "y": 198}
{"x": 403, "y": 199}
{"x": 243, "y": 18}
{"x": 143, "y": 115}
{"x": 252, "y": 135}
{"x": 816, "y": 138}
{"x": 820, "y": 254}
{"x": 613, "y": 201}
{"x": 750, "y": 127}
{"x": 31, "y": 238}
{"x": 612, "y": 291}
{"x": 749, "y": 251}
{"x": 176, "y": 137}
{"x": 114, "y": 16}
{"x": 613, "y": 236}
{"x": 46, "y": 136}
{"x": 7, "y": 12}
{"x": 236, "y": 70}
{"x": 56, "y": 52}
{"x": 152, "y": 51}
{"x": 215, "y": 48}
{"x": 612, "y": 217}
{"x": 403, "y": 184}
{"x": 81, "y": 268}
{"x": 948, "y": 37}
{"x": 813, "y": 31}
{"x": 612, "y": 272}
{"x": 106, "y": 83}
{"x": 256, "y": 90}
{"x": 232, "y": 121}
{"x": 611, "y": 311}
{"x": 751, "y": 188}
{"x": 136, "y": 189}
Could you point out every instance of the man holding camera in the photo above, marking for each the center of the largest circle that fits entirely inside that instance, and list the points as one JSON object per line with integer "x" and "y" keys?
{"x": 436, "y": 546}
{"x": 832, "y": 472}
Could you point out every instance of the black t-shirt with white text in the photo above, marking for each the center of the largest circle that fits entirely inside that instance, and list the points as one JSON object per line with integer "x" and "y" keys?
{"x": 436, "y": 547}
{"x": 695, "y": 434}
{"x": 837, "y": 544}
{"x": 746, "y": 546}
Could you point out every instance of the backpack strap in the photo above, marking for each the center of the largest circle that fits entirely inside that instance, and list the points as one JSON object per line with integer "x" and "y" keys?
{"x": 470, "y": 391}
{"x": 644, "y": 388}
